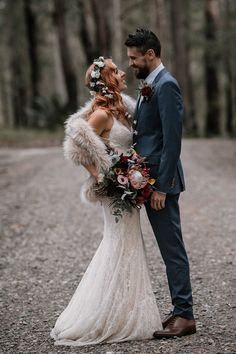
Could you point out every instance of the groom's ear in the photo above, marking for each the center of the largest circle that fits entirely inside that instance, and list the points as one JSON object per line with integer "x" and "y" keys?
{"x": 150, "y": 53}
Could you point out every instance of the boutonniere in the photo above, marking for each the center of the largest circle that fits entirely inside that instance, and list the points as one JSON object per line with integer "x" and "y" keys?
{"x": 146, "y": 91}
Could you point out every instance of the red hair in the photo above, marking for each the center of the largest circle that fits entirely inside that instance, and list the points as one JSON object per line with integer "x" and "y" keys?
{"x": 113, "y": 106}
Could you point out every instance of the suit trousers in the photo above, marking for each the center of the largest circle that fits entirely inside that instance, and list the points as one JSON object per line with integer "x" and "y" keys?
{"x": 166, "y": 226}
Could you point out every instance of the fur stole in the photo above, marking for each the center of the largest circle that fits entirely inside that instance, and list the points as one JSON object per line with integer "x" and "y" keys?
{"x": 83, "y": 146}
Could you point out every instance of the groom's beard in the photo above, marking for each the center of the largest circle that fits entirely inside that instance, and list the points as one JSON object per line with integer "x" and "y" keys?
{"x": 141, "y": 73}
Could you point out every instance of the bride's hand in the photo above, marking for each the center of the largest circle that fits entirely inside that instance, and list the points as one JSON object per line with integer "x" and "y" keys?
{"x": 92, "y": 170}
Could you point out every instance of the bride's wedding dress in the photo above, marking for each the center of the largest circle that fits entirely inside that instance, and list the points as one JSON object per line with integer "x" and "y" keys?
{"x": 114, "y": 301}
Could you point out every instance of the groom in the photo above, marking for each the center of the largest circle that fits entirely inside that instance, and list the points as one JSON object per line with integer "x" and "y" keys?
{"x": 157, "y": 136}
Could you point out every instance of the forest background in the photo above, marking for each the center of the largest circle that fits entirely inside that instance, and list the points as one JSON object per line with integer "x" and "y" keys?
{"x": 46, "y": 46}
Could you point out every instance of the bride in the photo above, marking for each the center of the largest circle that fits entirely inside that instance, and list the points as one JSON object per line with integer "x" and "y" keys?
{"x": 114, "y": 301}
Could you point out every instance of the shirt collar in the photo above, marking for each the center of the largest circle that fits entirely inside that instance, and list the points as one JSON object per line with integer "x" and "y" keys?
{"x": 150, "y": 78}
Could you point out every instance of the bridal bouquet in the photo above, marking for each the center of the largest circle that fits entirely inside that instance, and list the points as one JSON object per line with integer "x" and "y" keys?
{"x": 127, "y": 183}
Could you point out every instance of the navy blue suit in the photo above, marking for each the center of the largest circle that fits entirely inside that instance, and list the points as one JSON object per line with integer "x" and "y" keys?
{"x": 158, "y": 128}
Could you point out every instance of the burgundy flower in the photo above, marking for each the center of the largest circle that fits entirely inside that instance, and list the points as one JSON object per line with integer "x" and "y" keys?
{"x": 146, "y": 192}
{"x": 124, "y": 158}
{"x": 140, "y": 199}
{"x": 146, "y": 91}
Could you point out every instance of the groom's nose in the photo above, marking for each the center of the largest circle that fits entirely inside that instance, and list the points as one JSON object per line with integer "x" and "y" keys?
{"x": 131, "y": 62}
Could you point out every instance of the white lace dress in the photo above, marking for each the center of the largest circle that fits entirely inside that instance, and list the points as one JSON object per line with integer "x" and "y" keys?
{"x": 114, "y": 301}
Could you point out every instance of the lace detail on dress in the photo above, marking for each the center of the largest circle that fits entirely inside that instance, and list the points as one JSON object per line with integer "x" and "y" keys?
{"x": 120, "y": 137}
{"x": 114, "y": 301}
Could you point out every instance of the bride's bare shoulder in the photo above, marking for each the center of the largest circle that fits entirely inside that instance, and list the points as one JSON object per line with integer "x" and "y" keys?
{"x": 100, "y": 120}
{"x": 98, "y": 115}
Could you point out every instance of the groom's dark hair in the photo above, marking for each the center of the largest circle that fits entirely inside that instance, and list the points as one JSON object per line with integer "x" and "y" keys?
{"x": 144, "y": 39}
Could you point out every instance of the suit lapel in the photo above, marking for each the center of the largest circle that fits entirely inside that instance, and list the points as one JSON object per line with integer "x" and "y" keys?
{"x": 139, "y": 107}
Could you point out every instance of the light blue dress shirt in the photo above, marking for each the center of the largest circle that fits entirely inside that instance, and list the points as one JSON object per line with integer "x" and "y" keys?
{"x": 150, "y": 78}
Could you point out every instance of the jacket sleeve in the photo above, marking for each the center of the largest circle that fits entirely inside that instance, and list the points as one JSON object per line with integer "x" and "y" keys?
{"x": 170, "y": 105}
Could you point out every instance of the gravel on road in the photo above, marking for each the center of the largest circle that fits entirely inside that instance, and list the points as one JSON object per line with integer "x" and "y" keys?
{"x": 48, "y": 237}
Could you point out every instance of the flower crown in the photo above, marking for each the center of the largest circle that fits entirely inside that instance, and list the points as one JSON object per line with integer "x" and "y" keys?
{"x": 96, "y": 84}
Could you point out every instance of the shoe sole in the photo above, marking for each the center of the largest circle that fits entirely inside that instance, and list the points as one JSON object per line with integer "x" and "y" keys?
{"x": 192, "y": 331}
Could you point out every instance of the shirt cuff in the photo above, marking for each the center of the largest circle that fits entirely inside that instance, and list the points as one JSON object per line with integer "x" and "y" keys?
{"x": 155, "y": 189}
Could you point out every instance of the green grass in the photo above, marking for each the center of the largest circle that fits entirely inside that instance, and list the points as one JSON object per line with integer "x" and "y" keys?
{"x": 30, "y": 137}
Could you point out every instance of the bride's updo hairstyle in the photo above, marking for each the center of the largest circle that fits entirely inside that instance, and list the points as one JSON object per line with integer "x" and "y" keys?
{"x": 105, "y": 88}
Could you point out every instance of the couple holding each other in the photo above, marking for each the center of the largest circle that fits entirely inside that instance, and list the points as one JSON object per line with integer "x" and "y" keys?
{"x": 114, "y": 301}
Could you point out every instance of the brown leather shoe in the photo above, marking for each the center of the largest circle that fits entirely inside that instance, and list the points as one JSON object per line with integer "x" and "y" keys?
{"x": 167, "y": 319}
{"x": 177, "y": 327}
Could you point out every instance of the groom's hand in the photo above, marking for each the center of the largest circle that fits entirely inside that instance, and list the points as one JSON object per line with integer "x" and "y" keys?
{"x": 158, "y": 200}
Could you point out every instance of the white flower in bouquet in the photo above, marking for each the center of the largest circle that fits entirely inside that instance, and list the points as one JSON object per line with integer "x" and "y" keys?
{"x": 137, "y": 180}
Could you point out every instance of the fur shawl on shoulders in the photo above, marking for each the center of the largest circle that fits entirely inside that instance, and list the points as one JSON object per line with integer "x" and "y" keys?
{"x": 83, "y": 146}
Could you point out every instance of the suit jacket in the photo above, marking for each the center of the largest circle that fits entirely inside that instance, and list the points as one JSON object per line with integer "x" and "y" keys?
{"x": 159, "y": 131}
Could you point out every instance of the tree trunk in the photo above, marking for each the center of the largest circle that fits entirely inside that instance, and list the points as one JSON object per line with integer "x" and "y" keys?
{"x": 211, "y": 67}
{"x": 230, "y": 59}
{"x": 117, "y": 44}
{"x": 6, "y": 114}
{"x": 94, "y": 28}
{"x": 101, "y": 10}
{"x": 66, "y": 58}
{"x": 190, "y": 122}
{"x": 160, "y": 20}
{"x": 85, "y": 30}
{"x": 5, "y": 107}
{"x": 31, "y": 33}
{"x": 180, "y": 28}
{"x": 157, "y": 15}
{"x": 19, "y": 82}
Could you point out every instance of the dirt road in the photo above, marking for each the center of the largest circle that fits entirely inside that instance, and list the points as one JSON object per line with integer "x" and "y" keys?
{"x": 48, "y": 238}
